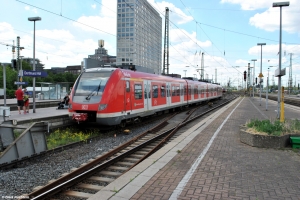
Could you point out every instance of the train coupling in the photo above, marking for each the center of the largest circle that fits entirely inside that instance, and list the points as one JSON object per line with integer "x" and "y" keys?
{"x": 80, "y": 117}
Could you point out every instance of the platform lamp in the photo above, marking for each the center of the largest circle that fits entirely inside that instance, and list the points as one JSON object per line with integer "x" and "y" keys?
{"x": 280, "y": 4}
{"x": 260, "y": 74}
{"x": 33, "y": 80}
{"x": 253, "y": 76}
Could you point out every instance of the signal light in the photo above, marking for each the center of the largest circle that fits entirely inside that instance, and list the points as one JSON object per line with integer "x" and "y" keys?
{"x": 245, "y": 75}
{"x": 14, "y": 63}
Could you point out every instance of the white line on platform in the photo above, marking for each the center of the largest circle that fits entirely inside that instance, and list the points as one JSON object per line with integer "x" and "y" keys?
{"x": 191, "y": 171}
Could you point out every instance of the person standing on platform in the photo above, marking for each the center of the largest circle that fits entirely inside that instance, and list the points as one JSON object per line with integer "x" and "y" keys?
{"x": 19, "y": 95}
{"x": 26, "y": 100}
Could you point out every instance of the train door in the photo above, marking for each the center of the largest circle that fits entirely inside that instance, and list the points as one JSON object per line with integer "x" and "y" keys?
{"x": 146, "y": 94}
{"x": 168, "y": 94}
{"x": 127, "y": 95}
{"x": 181, "y": 93}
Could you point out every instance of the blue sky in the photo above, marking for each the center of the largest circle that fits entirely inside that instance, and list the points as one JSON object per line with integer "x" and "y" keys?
{"x": 227, "y": 31}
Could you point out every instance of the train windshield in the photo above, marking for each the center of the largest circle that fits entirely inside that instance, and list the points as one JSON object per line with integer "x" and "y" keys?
{"x": 92, "y": 84}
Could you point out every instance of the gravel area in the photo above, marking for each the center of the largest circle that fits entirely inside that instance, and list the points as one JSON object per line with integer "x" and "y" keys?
{"x": 37, "y": 172}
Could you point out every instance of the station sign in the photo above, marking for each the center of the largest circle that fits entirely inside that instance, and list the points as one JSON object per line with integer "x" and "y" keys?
{"x": 20, "y": 83}
{"x": 33, "y": 73}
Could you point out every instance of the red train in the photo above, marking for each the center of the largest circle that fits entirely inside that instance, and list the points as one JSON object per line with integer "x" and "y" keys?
{"x": 114, "y": 96}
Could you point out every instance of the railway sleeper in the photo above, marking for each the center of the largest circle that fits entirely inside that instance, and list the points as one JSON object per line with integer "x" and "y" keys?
{"x": 77, "y": 194}
{"x": 125, "y": 164}
{"x": 89, "y": 186}
{"x": 110, "y": 173}
{"x": 141, "y": 152}
{"x": 101, "y": 179}
{"x": 136, "y": 156}
{"x": 118, "y": 168}
{"x": 134, "y": 160}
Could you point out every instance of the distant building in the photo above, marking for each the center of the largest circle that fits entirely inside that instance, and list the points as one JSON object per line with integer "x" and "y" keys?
{"x": 74, "y": 69}
{"x": 139, "y": 35}
{"x": 100, "y": 58}
{"x": 57, "y": 70}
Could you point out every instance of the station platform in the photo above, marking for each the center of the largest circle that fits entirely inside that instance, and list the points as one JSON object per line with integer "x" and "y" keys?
{"x": 209, "y": 162}
{"x": 39, "y": 103}
{"x": 56, "y": 117}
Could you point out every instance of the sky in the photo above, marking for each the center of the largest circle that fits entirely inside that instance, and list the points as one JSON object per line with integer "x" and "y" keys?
{"x": 226, "y": 31}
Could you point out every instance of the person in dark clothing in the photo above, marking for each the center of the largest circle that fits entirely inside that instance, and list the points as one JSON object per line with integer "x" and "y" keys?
{"x": 64, "y": 102}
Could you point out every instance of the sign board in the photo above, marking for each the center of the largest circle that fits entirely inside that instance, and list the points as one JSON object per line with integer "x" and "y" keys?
{"x": 34, "y": 73}
{"x": 20, "y": 83}
{"x": 282, "y": 72}
{"x": 260, "y": 75}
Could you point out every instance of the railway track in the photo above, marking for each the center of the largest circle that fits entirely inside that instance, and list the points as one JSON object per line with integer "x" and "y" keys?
{"x": 287, "y": 100}
{"x": 83, "y": 182}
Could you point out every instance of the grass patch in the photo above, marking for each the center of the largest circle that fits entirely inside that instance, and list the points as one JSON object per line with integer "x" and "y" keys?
{"x": 275, "y": 127}
{"x": 66, "y": 136}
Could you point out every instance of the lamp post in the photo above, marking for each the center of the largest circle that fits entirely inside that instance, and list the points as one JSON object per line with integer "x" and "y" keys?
{"x": 280, "y": 4}
{"x": 184, "y": 72}
{"x": 253, "y": 75}
{"x": 4, "y": 83}
{"x": 33, "y": 80}
{"x": 260, "y": 74}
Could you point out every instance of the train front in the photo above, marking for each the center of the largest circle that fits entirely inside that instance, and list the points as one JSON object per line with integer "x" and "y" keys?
{"x": 88, "y": 95}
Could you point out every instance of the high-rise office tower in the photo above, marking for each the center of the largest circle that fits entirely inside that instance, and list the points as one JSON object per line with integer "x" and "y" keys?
{"x": 139, "y": 35}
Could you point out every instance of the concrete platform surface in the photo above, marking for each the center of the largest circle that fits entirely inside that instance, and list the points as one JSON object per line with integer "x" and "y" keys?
{"x": 214, "y": 164}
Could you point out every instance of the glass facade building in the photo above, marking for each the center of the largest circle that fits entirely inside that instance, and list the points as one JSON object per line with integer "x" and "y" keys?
{"x": 139, "y": 35}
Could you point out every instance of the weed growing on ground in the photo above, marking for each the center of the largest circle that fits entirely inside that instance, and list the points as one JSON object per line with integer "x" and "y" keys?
{"x": 67, "y": 136}
{"x": 275, "y": 127}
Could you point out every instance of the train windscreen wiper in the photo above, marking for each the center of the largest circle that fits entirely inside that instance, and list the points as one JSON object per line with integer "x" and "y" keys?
{"x": 94, "y": 91}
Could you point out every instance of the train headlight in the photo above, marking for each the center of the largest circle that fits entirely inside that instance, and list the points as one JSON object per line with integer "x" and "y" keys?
{"x": 102, "y": 107}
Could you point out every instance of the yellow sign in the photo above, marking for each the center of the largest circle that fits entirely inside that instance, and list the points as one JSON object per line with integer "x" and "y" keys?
{"x": 260, "y": 75}
{"x": 21, "y": 79}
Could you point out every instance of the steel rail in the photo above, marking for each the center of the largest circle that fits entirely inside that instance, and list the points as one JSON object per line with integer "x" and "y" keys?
{"x": 102, "y": 162}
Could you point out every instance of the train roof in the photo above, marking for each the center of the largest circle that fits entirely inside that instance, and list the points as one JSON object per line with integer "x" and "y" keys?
{"x": 146, "y": 75}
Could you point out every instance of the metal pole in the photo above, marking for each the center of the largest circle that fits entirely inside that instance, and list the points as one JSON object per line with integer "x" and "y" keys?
{"x": 267, "y": 91}
{"x": 33, "y": 82}
{"x": 279, "y": 77}
{"x": 4, "y": 84}
{"x": 254, "y": 77}
{"x": 260, "y": 82}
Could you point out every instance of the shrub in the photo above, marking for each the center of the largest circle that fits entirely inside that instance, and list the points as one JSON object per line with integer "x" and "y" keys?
{"x": 276, "y": 127}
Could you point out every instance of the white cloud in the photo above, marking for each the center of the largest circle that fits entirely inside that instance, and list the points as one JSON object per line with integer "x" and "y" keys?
{"x": 269, "y": 19}
{"x": 97, "y": 24}
{"x": 34, "y": 10}
{"x": 6, "y": 32}
{"x": 94, "y": 6}
{"x": 176, "y": 15}
{"x": 250, "y": 4}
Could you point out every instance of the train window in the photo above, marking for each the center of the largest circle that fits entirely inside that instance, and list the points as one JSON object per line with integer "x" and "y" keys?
{"x": 195, "y": 90}
{"x": 177, "y": 91}
{"x": 163, "y": 91}
{"x": 127, "y": 86}
{"x": 190, "y": 90}
{"x": 173, "y": 91}
{"x": 145, "y": 91}
{"x": 91, "y": 84}
{"x": 184, "y": 91}
{"x": 155, "y": 91}
{"x": 138, "y": 93}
